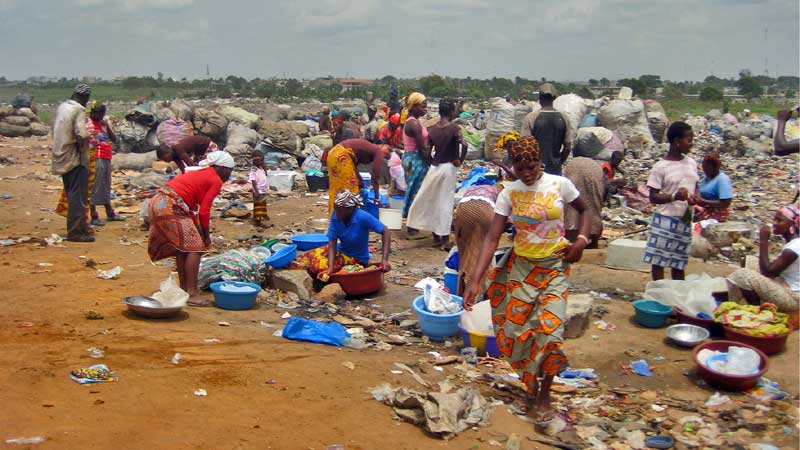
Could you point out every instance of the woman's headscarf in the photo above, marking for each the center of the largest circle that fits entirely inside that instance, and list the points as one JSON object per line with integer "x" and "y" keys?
{"x": 505, "y": 139}
{"x": 394, "y": 119}
{"x": 792, "y": 212}
{"x": 524, "y": 149}
{"x": 95, "y": 105}
{"x": 713, "y": 158}
{"x": 218, "y": 158}
{"x": 347, "y": 199}
{"x": 414, "y": 98}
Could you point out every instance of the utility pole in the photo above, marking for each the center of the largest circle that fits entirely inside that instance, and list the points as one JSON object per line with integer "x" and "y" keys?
{"x": 208, "y": 71}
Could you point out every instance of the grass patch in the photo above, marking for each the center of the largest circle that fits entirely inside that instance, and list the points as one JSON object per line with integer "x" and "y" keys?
{"x": 677, "y": 108}
{"x": 102, "y": 92}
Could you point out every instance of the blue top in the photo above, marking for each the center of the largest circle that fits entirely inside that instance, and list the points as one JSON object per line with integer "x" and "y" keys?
{"x": 354, "y": 238}
{"x": 717, "y": 188}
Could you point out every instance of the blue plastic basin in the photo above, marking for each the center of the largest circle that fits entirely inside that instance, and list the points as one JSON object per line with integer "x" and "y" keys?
{"x": 305, "y": 242}
{"x": 234, "y": 300}
{"x": 437, "y": 326}
{"x": 651, "y": 314}
{"x": 282, "y": 257}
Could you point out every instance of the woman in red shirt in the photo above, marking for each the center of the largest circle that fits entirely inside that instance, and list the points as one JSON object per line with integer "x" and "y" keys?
{"x": 180, "y": 215}
{"x": 101, "y": 137}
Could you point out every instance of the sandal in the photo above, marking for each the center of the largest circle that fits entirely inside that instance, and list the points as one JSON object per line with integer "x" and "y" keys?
{"x": 200, "y": 302}
{"x": 117, "y": 218}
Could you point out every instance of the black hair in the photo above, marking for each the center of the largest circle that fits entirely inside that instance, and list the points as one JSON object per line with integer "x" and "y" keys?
{"x": 371, "y": 111}
{"x": 163, "y": 150}
{"x": 447, "y": 107}
{"x": 677, "y": 130}
{"x": 548, "y": 98}
{"x": 616, "y": 155}
{"x": 345, "y": 114}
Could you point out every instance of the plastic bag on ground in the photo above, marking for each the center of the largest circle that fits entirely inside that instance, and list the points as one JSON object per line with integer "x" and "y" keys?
{"x": 693, "y": 295}
{"x": 329, "y": 333}
{"x": 239, "y": 115}
{"x": 170, "y": 294}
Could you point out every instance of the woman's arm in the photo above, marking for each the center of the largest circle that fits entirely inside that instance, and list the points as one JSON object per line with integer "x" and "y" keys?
{"x": 331, "y": 255}
{"x": 781, "y": 146}
{"x": 769, "y": 268}
{"x": 485, "y": 257}
{"x": 110, "y": 131}
{"x": 386, "y": 241}
{"x": 574, "y": 252}
{"x": 657, "y": 198}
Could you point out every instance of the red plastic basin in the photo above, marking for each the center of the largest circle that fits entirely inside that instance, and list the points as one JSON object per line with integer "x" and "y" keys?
{"x": 359, "y": 283}
{"x": 725, "y": 381}
{"x": 768, "y": 345}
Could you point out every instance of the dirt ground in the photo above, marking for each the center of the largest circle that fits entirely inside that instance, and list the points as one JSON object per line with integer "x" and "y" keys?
{"x": 263, "y": 391}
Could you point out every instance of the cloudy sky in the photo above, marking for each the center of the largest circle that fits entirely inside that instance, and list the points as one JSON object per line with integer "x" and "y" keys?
{"x": 557, "y": 39}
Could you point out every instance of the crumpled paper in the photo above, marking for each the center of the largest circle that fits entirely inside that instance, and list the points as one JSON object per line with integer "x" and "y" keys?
{"x": 442, "y": 414}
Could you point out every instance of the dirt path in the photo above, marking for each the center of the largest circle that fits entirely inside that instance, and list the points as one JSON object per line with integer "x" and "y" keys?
{"x": 263, "y": 391}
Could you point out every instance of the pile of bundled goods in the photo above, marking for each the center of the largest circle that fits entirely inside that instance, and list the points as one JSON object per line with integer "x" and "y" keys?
{"x": 21, "y": 120}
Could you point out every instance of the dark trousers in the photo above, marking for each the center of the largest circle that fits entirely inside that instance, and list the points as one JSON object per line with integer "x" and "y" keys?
{"x": 76, "y": 186}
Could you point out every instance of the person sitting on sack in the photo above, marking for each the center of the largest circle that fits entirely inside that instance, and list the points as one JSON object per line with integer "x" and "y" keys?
{"x": 188, "y": 152}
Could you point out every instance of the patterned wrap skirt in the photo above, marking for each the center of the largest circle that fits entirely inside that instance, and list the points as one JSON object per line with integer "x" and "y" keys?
{"x": 529, "y": 308}
{"x": 173, "y": 227}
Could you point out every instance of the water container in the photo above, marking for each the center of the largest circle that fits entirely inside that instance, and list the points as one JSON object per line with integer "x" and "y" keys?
{"x": 451, "y": 280}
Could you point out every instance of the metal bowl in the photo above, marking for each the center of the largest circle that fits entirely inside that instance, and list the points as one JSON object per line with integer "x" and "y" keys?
{"x": 149, "y": 307}
{"x": 687, "y": 335}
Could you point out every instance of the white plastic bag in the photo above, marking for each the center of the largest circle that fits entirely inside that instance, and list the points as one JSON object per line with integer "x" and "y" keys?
{"x": 171, "y": 295}
{"x": 438, "y": 301}
{"x": 693, "y": 295}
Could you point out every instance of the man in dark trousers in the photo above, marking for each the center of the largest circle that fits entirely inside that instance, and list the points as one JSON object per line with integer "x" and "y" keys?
{"x": 71, "y": 160}
{"x": 551, "y": 128}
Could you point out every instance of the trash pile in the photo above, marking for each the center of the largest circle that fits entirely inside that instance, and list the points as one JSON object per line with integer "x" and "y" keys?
{"x": 21, "y": 121}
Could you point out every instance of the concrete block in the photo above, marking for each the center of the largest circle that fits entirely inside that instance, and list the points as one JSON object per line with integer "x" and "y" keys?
{"x": 579, "y": 314}
{"x": 297, "y": 281}
{"x": 626, "y": 254}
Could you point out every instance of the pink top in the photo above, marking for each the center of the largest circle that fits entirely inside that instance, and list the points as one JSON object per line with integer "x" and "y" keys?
{"x": 409, "y": 143}
{"x": 669, "y": 176}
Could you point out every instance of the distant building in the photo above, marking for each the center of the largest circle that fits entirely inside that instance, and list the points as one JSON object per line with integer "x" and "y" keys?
{"x": 350, "y": 83}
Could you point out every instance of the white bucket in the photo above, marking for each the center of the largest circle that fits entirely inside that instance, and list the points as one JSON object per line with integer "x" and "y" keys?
{"x": 396, "y": 203}
{"x": 392, "y": 218}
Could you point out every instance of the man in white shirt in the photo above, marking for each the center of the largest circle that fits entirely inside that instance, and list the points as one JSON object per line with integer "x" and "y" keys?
{"x": 71, "y": 160}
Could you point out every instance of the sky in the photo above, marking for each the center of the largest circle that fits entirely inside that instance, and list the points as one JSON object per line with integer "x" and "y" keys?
{"x": 559, "y": 39}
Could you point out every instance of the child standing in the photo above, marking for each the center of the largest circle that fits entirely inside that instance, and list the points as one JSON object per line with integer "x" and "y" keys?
{"x": 258, "y": 177}
{"x": 101, "y": 137}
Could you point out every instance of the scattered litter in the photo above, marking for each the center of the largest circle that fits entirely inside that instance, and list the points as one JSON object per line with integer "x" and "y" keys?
{"x": 266, "y": 325}
{"x": 26, "y": 441}
{"x": 53, "y": 240}
{"x": 767, "y": 390}
{"x": 95, "y": 353}
{"x": 397, "y": 372}
{"x": 442, "y": 414}
{"x": 587, "y": 374}
{"x": 6, "y": 243}
{"x": 45, "y": 264}
{"x": 641, "y": 367}
{"x": 93, "y": 315}
{"x": 223, "y": 324}
{"x": 109, "y": 274}
{"x": 211, "y": 341}
{"x": 92, "y": 374}
{"x": 201, "y": 393}
{"x": 349, "y": 365}
{"x": 176, "y": 358}
{"x": 286, "y": 315}
{"x": 717, "y": 400}
{"x": 605, "y": 326}
{"x": 330, "y": 333}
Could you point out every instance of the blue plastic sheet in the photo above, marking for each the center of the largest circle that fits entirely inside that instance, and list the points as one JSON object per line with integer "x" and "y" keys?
{"x": 641, "y": 367}
{"x": 329, "y": 333}
{"x": 476, "y": 178}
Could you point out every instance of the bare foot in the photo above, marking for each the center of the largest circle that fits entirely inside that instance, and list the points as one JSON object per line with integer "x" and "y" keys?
{"x": 199, "y": 300}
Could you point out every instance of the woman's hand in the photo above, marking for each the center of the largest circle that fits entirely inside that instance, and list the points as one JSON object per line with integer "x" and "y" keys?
{"x": 572, "y": 253}
{"x": 682, "y": 194}
{"x": 764, "y": 233}
{"x": 325, "y": 276}
{"x": 470, "y": 293}
{"x": 456, "y": 162}
{"x": 385, "y": 266}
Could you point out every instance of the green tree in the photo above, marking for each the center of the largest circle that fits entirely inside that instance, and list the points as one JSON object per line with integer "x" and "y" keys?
{"x": 593, "y": 82}
{"x": 672, "y": 91}
{"x": 638, "y": 87}
{"x": 605, "y": 82}
{"x": 584, "y": 92}
{"x": 431, "y": 82}
{"x": 749, "y": 87}
{"x": 711, "y": 93}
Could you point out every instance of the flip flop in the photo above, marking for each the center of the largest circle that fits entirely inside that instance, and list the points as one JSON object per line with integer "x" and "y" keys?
{"x": 200, "y": 302}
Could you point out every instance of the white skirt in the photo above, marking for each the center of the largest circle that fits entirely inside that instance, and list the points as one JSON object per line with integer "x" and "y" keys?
{"x": 432, "y": 209}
